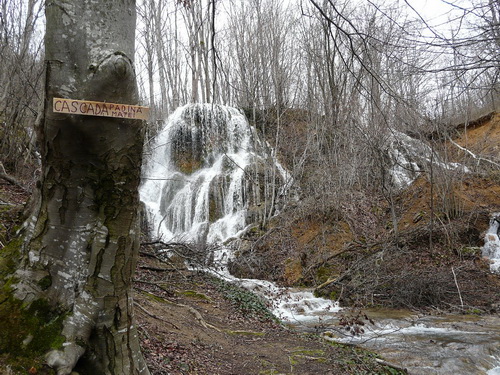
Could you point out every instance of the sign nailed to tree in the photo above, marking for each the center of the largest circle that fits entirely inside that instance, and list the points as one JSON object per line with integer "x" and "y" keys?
{"x": 89, "y": 108}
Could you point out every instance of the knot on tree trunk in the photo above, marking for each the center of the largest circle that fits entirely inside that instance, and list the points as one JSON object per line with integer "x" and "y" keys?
{"x": 117, "y": 64}
{"x": 113, "y": 80}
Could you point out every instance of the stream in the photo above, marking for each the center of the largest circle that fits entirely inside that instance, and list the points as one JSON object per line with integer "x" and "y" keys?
{"x": 206, "y": 180}
{"x": 422, "y": 344}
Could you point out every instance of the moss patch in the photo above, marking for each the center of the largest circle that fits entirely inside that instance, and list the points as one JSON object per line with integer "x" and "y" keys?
{"x": 470, "y": 252}
{"x": 194, "y": 294}
{"x": 9, "y": 257}
{"x": 45, "y": 282}
{"x": 29, "y": 332}
{"x": 187, "y": 165}
{"x": 324, "y": 273}
{"x": 212, "y": 210}
{"x": 156, "y": 298}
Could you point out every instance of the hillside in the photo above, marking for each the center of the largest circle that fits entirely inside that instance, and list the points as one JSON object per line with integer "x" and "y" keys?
{"x": 363, "y": 253}
{"x": 369, "y": 252}
{"x": 192, "y": 323}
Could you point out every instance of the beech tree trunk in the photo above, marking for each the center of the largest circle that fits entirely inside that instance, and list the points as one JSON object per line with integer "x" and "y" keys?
{"x": 81, "y": 242}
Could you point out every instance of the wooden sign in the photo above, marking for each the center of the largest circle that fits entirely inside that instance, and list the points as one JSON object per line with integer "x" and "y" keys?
{"x": 89, "y": 108}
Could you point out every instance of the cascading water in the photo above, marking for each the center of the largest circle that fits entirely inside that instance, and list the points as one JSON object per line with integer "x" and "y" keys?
{"x": 208, "y": 178}
{"x": 491, "y": 248}
{"x": 431, "y": 345}
{"x": 409, "y": 157}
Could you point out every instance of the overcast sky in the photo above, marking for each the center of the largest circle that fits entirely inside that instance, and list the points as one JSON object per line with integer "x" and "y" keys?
{"x": 436, "y": 11}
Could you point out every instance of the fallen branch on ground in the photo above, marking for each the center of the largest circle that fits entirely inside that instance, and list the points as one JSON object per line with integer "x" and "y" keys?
{"x": 154, "y": 316}
{"x": 10, "y": 179}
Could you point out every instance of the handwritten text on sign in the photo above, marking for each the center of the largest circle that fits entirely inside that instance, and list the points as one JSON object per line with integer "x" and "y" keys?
{"x": 85, "y": 107}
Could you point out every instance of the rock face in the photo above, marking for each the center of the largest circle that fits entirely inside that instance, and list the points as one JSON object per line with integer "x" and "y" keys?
{"x": 209, "y": 176}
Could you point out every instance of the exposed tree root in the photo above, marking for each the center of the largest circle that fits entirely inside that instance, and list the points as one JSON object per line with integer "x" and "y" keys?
{"x": 153, "y": 315}
{"x": 5, "y": 176}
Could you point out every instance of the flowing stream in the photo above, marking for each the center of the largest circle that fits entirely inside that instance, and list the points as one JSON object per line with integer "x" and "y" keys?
{"x": 424, "y": 345}
{"x": 209, "y": 177}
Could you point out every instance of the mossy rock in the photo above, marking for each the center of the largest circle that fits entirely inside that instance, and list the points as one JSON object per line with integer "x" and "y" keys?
{"x": 187, "y": 165}
{"x": 213, "y": 214}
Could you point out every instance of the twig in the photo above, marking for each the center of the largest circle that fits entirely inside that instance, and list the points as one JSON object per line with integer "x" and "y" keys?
{"x": 199, "y": 318}
{"x": 192, "y": 310}
{"x": 157, "y": 284}
{"x": 159, "y": 269}
{"x": 150, "y": 255}
{"x": 144, "y": 331}
{"x": 171, "y": 246}
{"x": 478, "y": 158}
{"x": 166, "y": 261}
{"x": 10, "y": 179}
{"x": 456, "y": 283}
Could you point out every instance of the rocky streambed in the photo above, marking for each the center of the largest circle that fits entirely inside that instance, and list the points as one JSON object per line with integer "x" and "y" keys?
{"x": 424, "y": 345}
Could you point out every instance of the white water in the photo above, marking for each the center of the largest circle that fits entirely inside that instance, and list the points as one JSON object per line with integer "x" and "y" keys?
{"x": 210, "y": 203}
{"x": 292, "y": 305}
{"x": 410, "y": 157}
{"x": 217, "y": 143}
{"x": 432, "y": 345}
{"x": 491, "y": 248}
{"x": 216, "y": 191}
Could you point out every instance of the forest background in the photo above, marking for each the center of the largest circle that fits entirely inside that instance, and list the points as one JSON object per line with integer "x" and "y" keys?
{"x": 329, "y": 84}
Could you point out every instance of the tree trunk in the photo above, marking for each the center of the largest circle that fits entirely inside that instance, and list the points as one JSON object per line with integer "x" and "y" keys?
{"x": 156, "y": 10}
{"x": 81, "y": 241}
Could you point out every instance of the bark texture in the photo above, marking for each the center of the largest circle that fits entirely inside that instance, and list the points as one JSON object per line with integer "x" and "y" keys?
{"x": 81, "y": 242}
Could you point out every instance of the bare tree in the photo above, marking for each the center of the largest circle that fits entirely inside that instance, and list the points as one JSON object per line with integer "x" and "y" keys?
{"x": 70, "y": 295}
{"x": 20, "y": 82}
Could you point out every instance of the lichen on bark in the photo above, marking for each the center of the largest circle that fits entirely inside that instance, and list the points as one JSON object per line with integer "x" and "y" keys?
{"x": 80, "y": 244}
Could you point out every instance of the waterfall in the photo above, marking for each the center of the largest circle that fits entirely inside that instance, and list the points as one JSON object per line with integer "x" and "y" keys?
{"x": 209, "y": 176}
{"x": 491, "y": 248}
{"x": 409, "y": 157}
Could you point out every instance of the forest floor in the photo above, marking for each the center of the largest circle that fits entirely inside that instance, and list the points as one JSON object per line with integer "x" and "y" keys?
{"x": 192, "y": 323}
